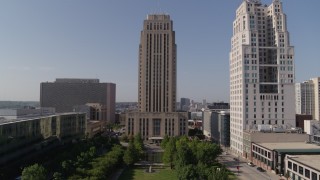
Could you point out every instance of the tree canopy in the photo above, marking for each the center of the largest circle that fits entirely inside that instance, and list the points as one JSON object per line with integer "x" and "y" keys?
{"x": 34, "y": 172}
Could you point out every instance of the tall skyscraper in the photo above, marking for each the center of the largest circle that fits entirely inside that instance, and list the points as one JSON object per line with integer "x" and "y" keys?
{"x": 261, "y": 70}
{"x": 157, "y": 114}
{"x": 157, "y": 65}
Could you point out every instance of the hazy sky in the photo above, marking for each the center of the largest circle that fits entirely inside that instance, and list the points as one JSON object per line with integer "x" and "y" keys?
{"x": 43, "y": 40}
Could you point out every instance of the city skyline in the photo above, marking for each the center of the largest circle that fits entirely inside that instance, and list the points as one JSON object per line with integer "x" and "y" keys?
{"x": 41, "y": 41}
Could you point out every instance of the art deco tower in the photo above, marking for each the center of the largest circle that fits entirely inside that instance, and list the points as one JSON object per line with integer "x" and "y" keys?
{"x": 157, "y": 114}
{"x": 261, "y": 71}
{"x": 157, "y": 65}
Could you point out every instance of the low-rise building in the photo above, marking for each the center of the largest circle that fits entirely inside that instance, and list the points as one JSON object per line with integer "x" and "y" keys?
{"x": 303, "y": 166}
{"x": 24, "y": 136}
{"x": 271, "y": 156}
{"x": 270, "y": 136}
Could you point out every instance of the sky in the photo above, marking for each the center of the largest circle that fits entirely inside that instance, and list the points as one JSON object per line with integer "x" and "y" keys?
{"x": 44, "y": 40}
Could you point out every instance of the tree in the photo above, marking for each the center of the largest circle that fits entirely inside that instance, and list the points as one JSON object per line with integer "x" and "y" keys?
{"x": 57, "y": 176}
{"x": 207, "y": 152}
{"x": 124, "y": 138}
{"x": 130, "y": 156}
{"x": 34, "y": 172}
{"x": 187, "y": 172}
{"x": 218, "y": 174}
{"x": 164, "y": 141}
{"x": 138, "y": 145}
{"x": 170, "y": 152}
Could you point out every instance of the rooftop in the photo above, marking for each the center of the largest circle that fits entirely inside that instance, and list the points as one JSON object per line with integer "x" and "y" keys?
{"x": 313, "y": 161}
{"x": 11, "y": 121}
{"x": 291, "y": 147}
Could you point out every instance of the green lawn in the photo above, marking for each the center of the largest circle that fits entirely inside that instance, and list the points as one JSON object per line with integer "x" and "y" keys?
{"x": 138, "y": 173}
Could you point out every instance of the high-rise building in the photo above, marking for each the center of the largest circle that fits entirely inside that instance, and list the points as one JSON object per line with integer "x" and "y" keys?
{"x": 304, "y": 93}
{"x": 157, "y": 114}
{"x": 184, "y": 104}
{"x": 316, "y": 82}
{"x": 66, "y": 94}
{"x": 261, "y": 70}
{"x": 157, "y": 65}
{"x": 307, "y": 98}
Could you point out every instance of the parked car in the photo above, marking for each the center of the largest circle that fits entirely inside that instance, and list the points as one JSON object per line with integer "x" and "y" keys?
{"x": 250, "y": 164}
{"x": 236, "y": 159}
{"x": 260, "y": 169}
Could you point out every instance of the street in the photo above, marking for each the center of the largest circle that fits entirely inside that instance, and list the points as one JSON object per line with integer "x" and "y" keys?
{"x": 245, "y": 172}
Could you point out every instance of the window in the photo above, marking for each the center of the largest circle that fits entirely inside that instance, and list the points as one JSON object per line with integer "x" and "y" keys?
{"x": 300, "y": 170}
{"x": 307, "y": 173}
{"x": 289, "y": 164}
{"x": 314, "y": 176}
{"x": 295, "y": 167}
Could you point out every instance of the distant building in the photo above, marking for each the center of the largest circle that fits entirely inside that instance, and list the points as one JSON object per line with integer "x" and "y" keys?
{"x": 303, "y": 166}
{"x": 307, "y": 98}
{"x": 94, "y": 111}
{"x": 65, "y": 94}
{"x": 216, "y": 126}
{"x": 300, "y": 118}
{"x": 157, "y": 114}
{"x": 312, "y": 127}
{"x": 316, "y": 82}
{"x": 219, "y": 105}
{"x": 184, "y": 104}
{"x": 13, "y": 114}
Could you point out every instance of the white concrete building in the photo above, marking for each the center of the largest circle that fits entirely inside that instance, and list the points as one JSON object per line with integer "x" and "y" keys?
{"x": 304, "y": 93}
{"x": 261, "y": 70}
{"x": 303, "y": 166}
{"x": 316, "y": 82}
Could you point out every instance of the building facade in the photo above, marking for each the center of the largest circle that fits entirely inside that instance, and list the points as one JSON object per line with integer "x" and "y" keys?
{"x": 261, "y": 70}
{"x": 303, "y": 166}
{"x": 184, "y": 104}
{"x": 157, "y": 114}
{"x": 216, "y": 126}
{"x": 156, "y": 125}
{"x": 305, "y": 100}
{"x": 24, "y": 136}
{"x": 316, "y": 82}
{"x": 271, "y": 156}
{"x": 157, "y": 65}
{"x": 65, "y": 94}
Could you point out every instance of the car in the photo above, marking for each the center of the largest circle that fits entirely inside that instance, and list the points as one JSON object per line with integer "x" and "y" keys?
{"x": 260, "y": 169}
{"x": 250, "y": 164}
{"x": 235, "y": 159}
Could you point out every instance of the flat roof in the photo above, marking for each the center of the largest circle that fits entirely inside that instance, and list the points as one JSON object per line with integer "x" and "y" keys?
{"x": 32, "y": 118}
{"x": 313, "y": 161}
{"x": 291, "y": 147}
